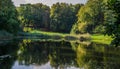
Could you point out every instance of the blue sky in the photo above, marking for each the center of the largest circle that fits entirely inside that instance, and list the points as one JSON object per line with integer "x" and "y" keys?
{"x": 47, "y": 2}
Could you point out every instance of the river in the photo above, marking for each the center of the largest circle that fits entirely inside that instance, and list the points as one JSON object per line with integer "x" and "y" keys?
{"x": 44, "y": 54}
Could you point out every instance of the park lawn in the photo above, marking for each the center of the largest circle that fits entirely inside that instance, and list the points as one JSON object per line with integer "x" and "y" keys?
{"x": 100, "y": 38}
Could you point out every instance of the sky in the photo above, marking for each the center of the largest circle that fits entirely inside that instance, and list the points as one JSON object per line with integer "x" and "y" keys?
{"x": 47, "y": 2}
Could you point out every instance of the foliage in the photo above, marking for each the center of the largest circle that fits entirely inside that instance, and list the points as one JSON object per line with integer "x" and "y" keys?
{"x": 100, "y": 16}
{"x": 59, "y": 18}
{"x": 112, "y": 20}
{"x": 79, "y": 28}
{"x": 8, "y": 16}
{"x": 99, "y": 29}
{"x": 34, "y": 15}
{"x": 91, "y": 16}
{"x": 63, "y": 16}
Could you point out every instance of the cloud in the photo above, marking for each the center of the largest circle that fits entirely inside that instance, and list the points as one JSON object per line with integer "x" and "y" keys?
{"x": 47, "y": 2}
{"x": 18, "y": 2}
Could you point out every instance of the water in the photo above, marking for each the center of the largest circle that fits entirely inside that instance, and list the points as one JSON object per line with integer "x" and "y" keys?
{"x": 34, "y": 54}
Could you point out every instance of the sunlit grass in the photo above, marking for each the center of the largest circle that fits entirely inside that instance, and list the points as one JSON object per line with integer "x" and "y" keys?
{"x": 56, "y": 36}
{"x": 59, "y": 34}
{"x": 100, "y": 38}
{"x": 48, "y": 33}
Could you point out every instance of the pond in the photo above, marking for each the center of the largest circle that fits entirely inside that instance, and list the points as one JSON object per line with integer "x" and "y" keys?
{"x": 43, "y": 54}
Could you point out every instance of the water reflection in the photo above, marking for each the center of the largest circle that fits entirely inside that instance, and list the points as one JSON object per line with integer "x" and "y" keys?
{"x": 59, "y": 54}
{"x": 97, "y": 56}
{"x": 8, "y": 52}
{"x": 29, "y": 54}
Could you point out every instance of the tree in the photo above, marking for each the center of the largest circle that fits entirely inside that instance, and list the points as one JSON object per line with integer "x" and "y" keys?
{"x": 63, "y": 16}
{"x": 41, "y": 15}
{"x": 112, "y": 20}
{"x": 8, "y": 16}
{"x": 25, "y": 13}
{"x": 34, "y": 15}
{"x": 90, "y": 16}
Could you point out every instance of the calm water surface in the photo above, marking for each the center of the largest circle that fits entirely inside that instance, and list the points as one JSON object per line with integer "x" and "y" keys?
{"x": 33, "y": 54}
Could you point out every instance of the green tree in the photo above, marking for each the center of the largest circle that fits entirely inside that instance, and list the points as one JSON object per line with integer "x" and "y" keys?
{"x": 63, "y": 16}
{"x": 8, "y": 16}
{"x": 90, "y": 16}
{"x": 112, "y": 20}
{"x": 34, "y": 15}
{"x": 25, "y": 15}
{"x": 41, "y": 15}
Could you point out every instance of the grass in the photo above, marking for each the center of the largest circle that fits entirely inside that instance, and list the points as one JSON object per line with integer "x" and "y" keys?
{"x": 47, "y": 33}
{"x": 100, "y": 38}
{"x": 55, "y": 36}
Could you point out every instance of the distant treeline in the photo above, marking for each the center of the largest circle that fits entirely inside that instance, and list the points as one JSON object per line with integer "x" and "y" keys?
{"x": 59, "y": 18}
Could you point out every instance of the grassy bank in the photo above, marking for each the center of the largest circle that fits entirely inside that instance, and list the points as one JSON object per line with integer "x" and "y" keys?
{"x": 100, "y": 38}
{"x": 35, "y": 34}
{"x": 55, "y": 36}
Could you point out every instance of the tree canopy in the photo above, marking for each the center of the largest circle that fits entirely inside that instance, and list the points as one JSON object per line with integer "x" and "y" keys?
{"x": 8, "y": 16}
{"x": 34, "y": 15}
{"x": 90, "y": 18}
{"x": 59, "y": 18}
{"x": 99, "y": 16}
{"x": 112, "y": 20}
{"x": 63, "y": 16}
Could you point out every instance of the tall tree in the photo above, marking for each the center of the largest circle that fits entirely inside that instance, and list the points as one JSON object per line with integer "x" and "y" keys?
{"x": 34, "y": 15}
{"x": 8, "y": 16}
{"x": 112, "y": 20}
{"x": 41, "y": 15}
{"x": 25, "y": 13}
{"x": 90, "y": 16}
{"x": 63, "y": 16}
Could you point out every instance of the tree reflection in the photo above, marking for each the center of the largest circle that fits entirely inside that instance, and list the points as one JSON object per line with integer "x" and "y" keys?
{"x": 62, "y": 55}
{"x": 59, "y": 54}
{"x": 8, "y": 50}
{"x": 97, "y": 56}
{"x": 32, "y": 53}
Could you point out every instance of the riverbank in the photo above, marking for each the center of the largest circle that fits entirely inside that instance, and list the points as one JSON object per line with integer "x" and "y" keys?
{"x": 35, "y": 34}
{"x": 99, "y": 38}
{"x": 55, "y": 36}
